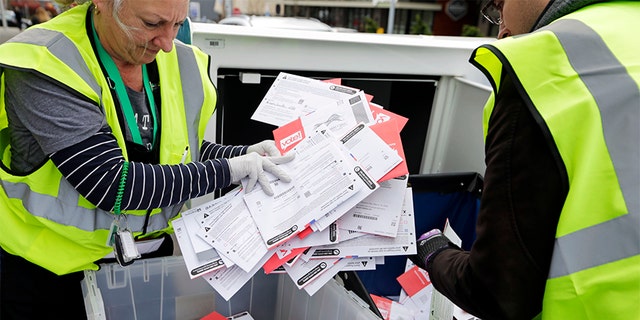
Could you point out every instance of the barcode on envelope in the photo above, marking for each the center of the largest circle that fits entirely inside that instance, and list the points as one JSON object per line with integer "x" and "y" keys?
{"x": 364, "y": 216}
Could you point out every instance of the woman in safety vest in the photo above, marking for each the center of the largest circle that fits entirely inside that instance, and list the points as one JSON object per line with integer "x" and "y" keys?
{"x": 558, "y": 232}
{"x": 102, "y": 119}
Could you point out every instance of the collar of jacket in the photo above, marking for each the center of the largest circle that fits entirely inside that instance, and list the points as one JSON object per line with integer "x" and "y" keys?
{"x": 560, "y": 8}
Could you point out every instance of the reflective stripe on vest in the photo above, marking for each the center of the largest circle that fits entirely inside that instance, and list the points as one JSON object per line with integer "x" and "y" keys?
{"x": 48, "y": 63}
{"x": 587, "y": 57}
{"x": 63, "y": 48}
{"x": 46, "y": 221}
{"x": 86, "y": 219}
{"x": 189, "y": 70}
{"x": 581, "y": 83}
{"x": 40, "y": 204}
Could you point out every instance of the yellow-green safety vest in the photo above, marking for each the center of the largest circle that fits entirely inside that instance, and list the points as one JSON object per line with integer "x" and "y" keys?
{"x": 42, "y": 217}
{"x": 580, "y": 77}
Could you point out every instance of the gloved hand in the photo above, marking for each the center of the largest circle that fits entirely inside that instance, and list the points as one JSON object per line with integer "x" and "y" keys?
{"x": 429, "y": 244}
{"x": 265, "y": 148}
{"x": 253, "y": 166}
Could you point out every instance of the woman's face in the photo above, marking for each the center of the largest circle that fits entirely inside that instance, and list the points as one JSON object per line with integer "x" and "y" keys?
{"x": 151, "y": 24}
{"x": 519, "y": 16}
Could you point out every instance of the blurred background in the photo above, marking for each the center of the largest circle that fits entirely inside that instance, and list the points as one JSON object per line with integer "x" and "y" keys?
{"x": 431, "y": 17}
{"x": 428, "y": 17}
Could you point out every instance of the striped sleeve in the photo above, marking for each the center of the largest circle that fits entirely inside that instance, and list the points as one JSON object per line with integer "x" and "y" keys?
{"x": 94, "y": 166}
{"x": 211, "y": 150}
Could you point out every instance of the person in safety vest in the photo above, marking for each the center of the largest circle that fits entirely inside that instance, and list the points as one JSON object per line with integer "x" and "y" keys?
{"x": 558, "y": 231}
{"x": 102, "y": 118}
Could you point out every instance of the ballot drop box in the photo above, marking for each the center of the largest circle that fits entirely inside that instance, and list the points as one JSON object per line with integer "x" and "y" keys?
{"x": 160, "y": 288}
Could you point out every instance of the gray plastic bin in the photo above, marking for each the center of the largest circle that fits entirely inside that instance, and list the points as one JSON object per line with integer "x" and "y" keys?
{"x": 160, "y": 288}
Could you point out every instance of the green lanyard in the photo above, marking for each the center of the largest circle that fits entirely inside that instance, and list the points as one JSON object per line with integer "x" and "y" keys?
{"x": 121, "y": 92}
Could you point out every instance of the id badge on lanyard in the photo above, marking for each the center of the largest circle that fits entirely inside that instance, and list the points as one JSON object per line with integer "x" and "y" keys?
{"x": 120, "y": 236}
{"x": 121, "y": 240}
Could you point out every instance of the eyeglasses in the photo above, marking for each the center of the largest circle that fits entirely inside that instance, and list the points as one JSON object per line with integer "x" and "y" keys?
{"x": 492, "y": 12}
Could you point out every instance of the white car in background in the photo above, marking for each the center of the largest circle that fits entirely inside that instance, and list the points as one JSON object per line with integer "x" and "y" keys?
{"x": 10, "y": 17}
{"x": 297, "y": 23}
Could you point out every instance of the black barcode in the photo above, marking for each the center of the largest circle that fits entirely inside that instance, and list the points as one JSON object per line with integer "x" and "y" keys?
{"x": 365, "y": 217}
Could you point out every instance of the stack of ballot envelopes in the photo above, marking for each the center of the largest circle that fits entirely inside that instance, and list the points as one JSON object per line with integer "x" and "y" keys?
{"x": 346, "y": 208}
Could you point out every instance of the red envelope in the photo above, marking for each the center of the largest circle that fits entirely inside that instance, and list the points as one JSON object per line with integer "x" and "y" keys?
{"x": 337, "y": 81}
{"x": 381, "y": 115}
{"x": 214, "y": 316}
{"x": 383, "y": 304}
{"x": 274, "y": 262}
{"x": 390, "y": 133}
{"x": 289, "y": 135}
{"x": 414, "y": 280}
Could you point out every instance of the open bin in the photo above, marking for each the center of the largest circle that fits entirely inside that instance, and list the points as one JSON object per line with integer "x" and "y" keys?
{"x": 160, "y": 288}
{"x": 437, "y": 197}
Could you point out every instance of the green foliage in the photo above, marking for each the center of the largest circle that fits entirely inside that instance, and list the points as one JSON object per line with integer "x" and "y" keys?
{"x": 370, "y": 25}
{"x": 471, "y": 31}
{"x": 418, "y": 26}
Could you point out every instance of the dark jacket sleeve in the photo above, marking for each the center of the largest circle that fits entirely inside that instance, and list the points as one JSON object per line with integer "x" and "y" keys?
{"x": 504, "y": 274}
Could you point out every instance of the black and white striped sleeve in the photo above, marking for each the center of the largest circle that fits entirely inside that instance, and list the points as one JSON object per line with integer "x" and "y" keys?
{"x": 94, "y": 166}
{"x": 211, "y": 150}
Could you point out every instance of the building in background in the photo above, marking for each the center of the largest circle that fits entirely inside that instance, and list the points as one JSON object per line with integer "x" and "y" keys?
{"x": 27, "y": 8}
{"x": 437, "y": 17}
{"x": 205, "y": 11}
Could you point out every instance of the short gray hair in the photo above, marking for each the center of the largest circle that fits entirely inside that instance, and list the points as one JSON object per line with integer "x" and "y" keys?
{"x": 128, "y": 30}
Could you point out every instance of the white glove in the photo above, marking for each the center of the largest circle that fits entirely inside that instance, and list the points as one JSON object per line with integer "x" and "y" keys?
{"x": 253, "y": 166}
{"x": 265, "y": 148}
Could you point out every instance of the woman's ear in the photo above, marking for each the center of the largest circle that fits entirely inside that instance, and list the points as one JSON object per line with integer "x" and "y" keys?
{"x": 99, "y": 6}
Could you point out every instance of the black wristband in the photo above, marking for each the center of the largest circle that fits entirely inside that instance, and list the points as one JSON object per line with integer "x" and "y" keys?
{"x": 428, "y": 248}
